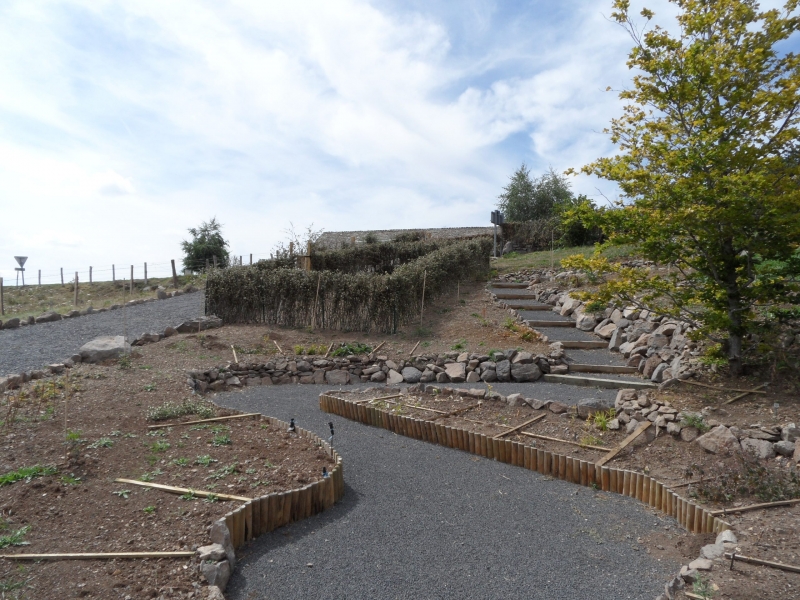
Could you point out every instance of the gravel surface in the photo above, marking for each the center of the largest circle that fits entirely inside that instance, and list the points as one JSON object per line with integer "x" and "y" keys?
{"x": 34, "y": 346}
{"x": 422, "y": 521}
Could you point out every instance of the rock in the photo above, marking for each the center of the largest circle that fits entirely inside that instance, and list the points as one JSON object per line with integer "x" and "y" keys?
{"x": 570, "y": 304}
{"x": 170, "y": 331}
{"x": 216, "y": 573}
{"x": 514, "y": 399}
{"x": 672, "y": 586}
{"x": 674, "y": 428}
{"x": 219, "y": 534}
{"x": 758, "y": 434}
{"x": 11, "y": 323}
{"x": 658, "y": 373}
{"x": 508, "y": 247}
{"x": 504, "y": 370}
{"x": 104, "y": 348}
{"x": 558, "y": 408}
{"x": 199, "y": 324}
{"x": 718, "y": 440}
{"x": 712, "y": 551}
{"x": 616, "y": 340}
{"x": 214, "y": 593}
{"x": 48, "y": 317}
{"x": 214, "y": 552}
{"x": 613, "y": 424}
{"x": 586, "y": 322}
{"x": 377, "y": 376}
{"x": 607, "y": 331}
{"x": 690, "y": 434}
{"x": 790, "y": 433}
{"x": 658, "y": 340}
{"x": 473, "y": 377}
{"x": 726, "y": 537}
{"x": 525, "y": 372}
{"x": 631, "y": 426}
{"x": 337, "y": 377}
{"x": 457, "y": 372}
{"x": 625, "y": 395}
{"x": 161, "y": 295}
{"x": 701, "y": 564}
{"x": 689, "y": 575}
{"x": 650, "y": 365}
{"x": 411, "y": 374}
{"x": 72, "y": 314}
{"x": 233, "y": 381}
{"x": 442, "y": 377}
{"x": 759, "y": 448}
{"x": 489, "y": 375}
{"x": 784, "y": 448}
{"x": 524, "y": 358}
{"x": 588, "y": 406}
{"x": 392, "y": 377}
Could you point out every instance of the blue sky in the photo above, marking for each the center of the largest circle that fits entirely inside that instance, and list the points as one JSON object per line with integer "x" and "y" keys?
{"x": 122, "y": 124}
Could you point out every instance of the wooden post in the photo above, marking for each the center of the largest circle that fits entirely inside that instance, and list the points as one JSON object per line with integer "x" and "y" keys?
{"x": 175, "y": 274}
{"x": 62, "y": 276}
{"x": 422, "y": 306}
{"x": 251, "y": 258}
{"x": 314, "y": 315}
{"x": 131, "y": 280}
{"x": 291, "y": 248}
{"x": 207, "y": 266}
{"x": 240, "y": 260}
{"x": 113, "y": 275}
{"x": 352, "y": 240}
{"x": 90, "y": 275}
{"x": 215, "y": 260}
{"x": 145, "y": 274}
{"x": 2, "y": 304}
{"x": 76, "y": 288}
{"x": 40, "y": 278}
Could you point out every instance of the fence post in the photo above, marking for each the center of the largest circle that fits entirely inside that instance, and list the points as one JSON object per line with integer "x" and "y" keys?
{"x": 215, "y": 261}
{"x": 240, "y": 260}
{"x": 145, "y": 274}
{"x": 90, "y": 275}
{"x": 113, "y": 275}
{"x": 251, "y": 259}
{"x": 422, "y": 306}
{"x": 76, "y": 288}
{"x": 174, "y": 275}
{"x": 40, "y": 278}
{"x": 131, "y": 280}
{"x": 62, "y": 276}
{"x": 207, "y": 265}
{"x": 2, "y": 305}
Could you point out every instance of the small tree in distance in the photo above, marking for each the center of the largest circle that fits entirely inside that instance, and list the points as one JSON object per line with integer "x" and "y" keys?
{"x": 526, "y": 199}
{"x": 206, "y": 243}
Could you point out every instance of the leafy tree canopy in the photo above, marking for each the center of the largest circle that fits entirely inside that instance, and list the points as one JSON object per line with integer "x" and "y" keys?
{"x": 708, "y": 166}
{"x": 526, "y": 199}
{"x": 206, "y": 243}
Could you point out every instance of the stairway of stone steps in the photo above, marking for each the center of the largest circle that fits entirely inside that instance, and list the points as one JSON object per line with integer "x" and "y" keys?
{"x": 589, "y": 360}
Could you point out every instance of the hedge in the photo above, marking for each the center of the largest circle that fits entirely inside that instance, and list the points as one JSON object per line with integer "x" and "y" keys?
{"x": 348, "y": 301}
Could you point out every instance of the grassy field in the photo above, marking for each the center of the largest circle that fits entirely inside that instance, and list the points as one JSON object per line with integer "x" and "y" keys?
{"x": 35, "y": 299}
{"x": 544, "y": 259}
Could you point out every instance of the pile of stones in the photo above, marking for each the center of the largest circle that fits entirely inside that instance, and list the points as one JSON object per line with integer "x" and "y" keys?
{"x": 50, "y": 316}
{"x": 450, "y": 367}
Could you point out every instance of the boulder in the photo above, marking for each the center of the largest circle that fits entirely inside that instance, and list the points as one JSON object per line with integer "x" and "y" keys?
{"x": 216, "y": 573}
{"x": 392, "y": 377}
{"x": 199, "y": 324}
{"x": 48, "y": 317}
{"x": 558, "y": 408}
{"x": 504, "y": 370}
{"x": 585, "y": 322}
{"x": 718, "y": 441}
{"x": 473, "y": 377}
{"x": 212, "y": 552}
{"x": 377, "y": 376}
{"x": 170, "y": 331}
{"x": 411, "y": 374}
{"x": 588, "y": 406}
{"x": 161, "y": 295}
{"x": 515, "y": 399}
{"x": 489, "y": 375}
{"x": 522, "y": 358}
{"x": 759, "y": 448}
{"x": 220, "y": 534}
{"x": 607, "y": 331}
{"x": 104, "y": 348}
{"x": 790, "y": 433}
{"x": 784, "y": 448}
{"x": 660, "y": 372}
{"x": 651, "y": 364}
{"x": 11, "y": 323}
{"x": 570, "y": 304}
{"x": 525, "y": 372}
{"x": 457, "y": 372}
{"x": 337, "y": 377}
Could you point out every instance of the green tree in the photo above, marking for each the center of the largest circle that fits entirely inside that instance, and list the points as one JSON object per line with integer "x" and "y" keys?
{"x": 708, "y": 166}
{"x": 526, "y": 199}
{"x": 206, "y": 243}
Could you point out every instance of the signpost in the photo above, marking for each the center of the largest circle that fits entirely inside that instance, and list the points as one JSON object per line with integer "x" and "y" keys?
{"x": 497, "y": 219}
{"x": 21, "y": 261}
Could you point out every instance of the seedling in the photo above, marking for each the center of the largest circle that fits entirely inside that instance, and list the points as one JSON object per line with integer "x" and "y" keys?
{"x": 160, "y": 446}
{"x": 103, "y": 442}
{"x": 26, "y": 474}
{"x": 15, "y": 538}
{"x": 122, "y": 493}
{"x": 204, "y": 460}
{"x": 149, "y": 510}
{"x": 188, "y": 496}
{"x": 221, "y": 439}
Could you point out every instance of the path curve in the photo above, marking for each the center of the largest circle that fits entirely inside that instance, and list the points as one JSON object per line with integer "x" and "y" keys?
{"x": 422, "y": 521}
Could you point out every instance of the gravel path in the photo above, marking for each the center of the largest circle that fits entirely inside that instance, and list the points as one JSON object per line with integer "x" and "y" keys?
{"x": 422, "y": 521}
{"x": 34, "y": 346}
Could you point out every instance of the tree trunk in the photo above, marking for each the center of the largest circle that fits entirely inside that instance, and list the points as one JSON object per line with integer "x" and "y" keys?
{"x": 736, "y": 329}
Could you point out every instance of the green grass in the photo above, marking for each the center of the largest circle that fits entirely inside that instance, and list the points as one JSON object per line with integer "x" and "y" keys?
{"x": 539, "y": 260}
{"x": 26, "y": 474}
{"x": 15, "y": 539}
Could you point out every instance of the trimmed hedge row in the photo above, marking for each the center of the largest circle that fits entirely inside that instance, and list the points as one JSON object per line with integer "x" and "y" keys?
{"x": 373, "y": 258}
{"x": 347, "y": 301}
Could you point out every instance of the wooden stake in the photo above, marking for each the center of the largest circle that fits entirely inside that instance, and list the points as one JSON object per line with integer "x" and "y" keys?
{"x": 720, "y": 389}
{"x": 99, "y": 555}
{"x": 414, "y": 348}
{"x": 743, "y": 394}
{"x": 765, "y": 563}
{"x": 278, "y": 347}
{"x": 251, "y": 258}
{"x": 724, "y": 511}
{"x": 228, "y": 418}
{"x": 145, "y": 274}
{"x": 377, "y": 399}
{"x": 90, "y": 276}
{"x": 76, "y": 289}
{"x": 40, "y": 276}
{"x": 175, "y": 273}
{"x": 639, "y": 430}
{"x": 131, "y": 280}
{"x": 62, "y": 275}
{"x": 329, "y": 350}
{"x": 525, "y": 424}
{"x": 113, "y": 275}
{"x": 235, "y": 358}
{"x": 422, "y": 306}
{"x": 552, "y": 439}
{"x": 316, "y": 298}
{"x": 378, "y": 347}
{"x": 177, "y": 490}
{"x": 688, "y": 483}
{"x": 2, "y": 301}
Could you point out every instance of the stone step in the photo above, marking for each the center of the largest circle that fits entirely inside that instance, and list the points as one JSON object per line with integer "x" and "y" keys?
{"x": 580, "y": 345}
{"x": 551, "y": 324}
{"x": 544, "y": 307}
{"x": 615, "y": 369}
{"x": 597, "y": 382}
{"x": 509, "y": 285}
{"x": 514, "y": 296}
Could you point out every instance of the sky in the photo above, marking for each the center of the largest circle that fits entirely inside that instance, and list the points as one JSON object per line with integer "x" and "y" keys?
{"x": 123, "y": 124}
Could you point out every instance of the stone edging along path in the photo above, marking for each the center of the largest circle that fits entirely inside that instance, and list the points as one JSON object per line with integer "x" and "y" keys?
{"x": 644, "y": 488}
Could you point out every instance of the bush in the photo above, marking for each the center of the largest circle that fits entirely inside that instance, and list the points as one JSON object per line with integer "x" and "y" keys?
{"x": 170, "y": 410}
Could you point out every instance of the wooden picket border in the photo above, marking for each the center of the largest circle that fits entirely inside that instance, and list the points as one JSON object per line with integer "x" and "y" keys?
{"x": 263, "y": 514}
{"x": 694, "y": 518}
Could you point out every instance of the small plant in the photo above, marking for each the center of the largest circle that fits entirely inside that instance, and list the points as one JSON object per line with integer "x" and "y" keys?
{"x": 26, "y": 474}
{"x": 695, "y": 420}
{"x": 171, "y": 410}
{"x": 150, "y": 387}
{"x": 181, "y": 462}
{"x": 459, "y": 345}
{"x": 180, "y": 346}
{"x": 714, "y": 356}
{"x": 103, "y": 442}
{"x": 591, "y": 440}
{"x": 122, "y": 494}
{"x": 511, "y": 324}
{"x": 221, "y": 439}
{"x": 204, "y": 460}
{"x": 351, "y": 348}
{"x": 149, "y": 510}
{"x": 125, "y": 362}
{"x": 160, "y": 446}
{"x": 223, "y": 472}
{"x": 73, "y": 437}
{"x": 70, "y": 479}
{"x": 15, "y": 538}
{"x": 211, "y": 498}
{"x": 189, "y": 496}
{"x": 702, "y": 587}
{"x": 601, "y": 419}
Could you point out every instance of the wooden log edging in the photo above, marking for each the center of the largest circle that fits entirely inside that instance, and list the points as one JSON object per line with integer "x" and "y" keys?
{"x": 694, "y": 518}
{"x": 266, "y": 513}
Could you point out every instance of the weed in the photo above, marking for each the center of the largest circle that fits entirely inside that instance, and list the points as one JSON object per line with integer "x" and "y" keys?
{"x": 159, "y": 446}
{"x": 145, "y": 367}
{"x": 601, "y": 419}
{"x": 591, "y": 440}
{"x": 695, "y": 420}
{"x": 205, "y": 460}
{"x": 152, "y": 459}
{"x": 149, "y": 510}
{"x": 150, "y": 387}
{"x": 103, "y": 442}
{"x": 188, "y": 496}
{"x": 122, "y": 493}
{"x": 211, "y": 498}
{"x": 26, "y": 474}
{"x": 170, "y": 410}
{"x": 268, "y": 465}
{"x": 125, "y": 362}
{"x": 221, "y": 439}
{"x": 47, "y": 389}
{"x": 220, "y": 428}
{"x": 180, "y": 346}
{"x": 459, "y": 345}
{"x": 511, "y": 324}
{"x": 223, "y": 472}
{"x": 15, "y": 538}
{"x": 749, "y": 477}
{"x": 702, "y": 587}
{"x": 351, "y": 348}
{"x": 70, "y": 479}
{"x": 425, "y": 344}
{"x": 181, "y": 462}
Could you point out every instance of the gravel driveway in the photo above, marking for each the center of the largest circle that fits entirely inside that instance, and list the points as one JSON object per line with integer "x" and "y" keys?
{"x": 34, "y": 346}
{"x": 422, "y": 521}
